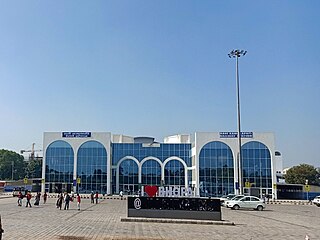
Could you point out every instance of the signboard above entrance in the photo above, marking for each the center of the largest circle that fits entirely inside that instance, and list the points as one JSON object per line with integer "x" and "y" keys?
{"x": 76, "y": 134}
{"x": 235, "y": 134}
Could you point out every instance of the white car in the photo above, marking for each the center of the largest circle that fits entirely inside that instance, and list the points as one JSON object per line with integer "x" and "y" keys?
{"x": 316, "y": 201}
{"x": 225, "y": 198}
{"x": 247, "y": 202}
{"x": 235, "y": 198}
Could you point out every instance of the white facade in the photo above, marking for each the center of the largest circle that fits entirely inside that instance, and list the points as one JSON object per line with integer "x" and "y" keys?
{"x": 103, "y": 137}
{"x": 202, "y": 138}
{"x": 199, "y": 140}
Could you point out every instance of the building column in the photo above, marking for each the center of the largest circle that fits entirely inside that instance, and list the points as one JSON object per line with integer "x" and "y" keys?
{"x": 43, "y": 184}
{"x": 75, "y": 158}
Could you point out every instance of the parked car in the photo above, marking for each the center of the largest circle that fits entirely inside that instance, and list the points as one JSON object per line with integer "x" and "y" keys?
{"x": 316, "y": 201}
{"x": 16, "y": 191}
{"x": 250, "y": 202}
{"x": 237, "y": 197}
{"x": 225, "y": 198}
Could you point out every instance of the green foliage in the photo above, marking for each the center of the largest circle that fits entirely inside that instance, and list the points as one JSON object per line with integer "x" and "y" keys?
{"x": 11, "y": 162}
{"x": 299, "y": 175}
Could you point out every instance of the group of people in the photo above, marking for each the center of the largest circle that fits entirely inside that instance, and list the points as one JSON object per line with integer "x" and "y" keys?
{"x": 94, "y": 196}
{"x": 66, "y": 198}
{"x": 28, "y": 197}
{"x": 62, "y": 198}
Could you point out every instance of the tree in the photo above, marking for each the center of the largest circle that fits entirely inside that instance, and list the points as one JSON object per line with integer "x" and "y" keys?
{"x": 11, "y": 164}
{"x": 299, "y": 175}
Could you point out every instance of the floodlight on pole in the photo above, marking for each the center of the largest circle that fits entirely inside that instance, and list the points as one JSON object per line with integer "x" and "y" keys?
{"x": 236, "y": 54}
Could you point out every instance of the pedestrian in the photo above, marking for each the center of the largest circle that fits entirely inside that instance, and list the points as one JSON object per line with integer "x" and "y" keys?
{"x": 45, "y": 195}
{"x": 72, "y": 195}
{"x": 97, "y": 197}
{"x": 66, "y": 201}
{"x": 78, "y": 201}
{"x": 1, "y": 229}
{"x": 92, "y": 197}
{"x": 37, "y": 199}
{"x": 28, "y": 199}
{"x": 59, "y": 201}
{"x": 121, "y": 194}
{"x": 20, "y": 199}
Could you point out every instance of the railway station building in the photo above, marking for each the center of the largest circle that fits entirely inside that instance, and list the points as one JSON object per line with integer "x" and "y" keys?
{"x": 206, "y": 162}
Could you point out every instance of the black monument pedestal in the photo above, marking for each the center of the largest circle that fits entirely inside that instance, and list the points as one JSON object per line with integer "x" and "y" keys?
{"x": 175, "y": 208}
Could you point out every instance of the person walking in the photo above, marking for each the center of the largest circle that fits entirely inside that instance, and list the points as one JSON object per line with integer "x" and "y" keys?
{"x": 78, "y": 201}
{"x": 92, "y": 197}
{"x": 59, "y": 201}
{"x": 37, "y": 199}
{"x": 28, "y": 199}
{"x": 66, "y": 202}
{"x": 97, "y": 197}
{"x": 45, "y": 195}
{"x": 20, "y": 199}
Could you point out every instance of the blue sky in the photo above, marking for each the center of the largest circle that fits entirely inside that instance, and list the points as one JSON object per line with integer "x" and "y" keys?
{"x": 157, "y": 68}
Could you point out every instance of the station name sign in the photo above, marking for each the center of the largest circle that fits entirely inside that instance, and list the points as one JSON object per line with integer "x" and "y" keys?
{"x": 169, "y": 191}
{"x": 76, "y": 134}
{"x": 235, "y": 134}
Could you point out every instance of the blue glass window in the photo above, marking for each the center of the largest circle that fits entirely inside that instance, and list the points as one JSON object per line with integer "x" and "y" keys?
{"x": 59, "y": 163}
{"x": 216, "y": 170}
{"x": 256, "y": 164}
{"x": 128, "y": 177}
{"x": 174, "y": 173}
{"x": 151, "y": 173}
{"x": 92, "y": 167}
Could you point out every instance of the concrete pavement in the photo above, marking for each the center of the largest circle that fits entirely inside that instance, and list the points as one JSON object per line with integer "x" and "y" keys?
{"x": 102, "y": 221}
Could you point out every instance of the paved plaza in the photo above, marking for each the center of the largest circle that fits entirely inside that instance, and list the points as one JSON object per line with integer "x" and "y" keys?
{"x": 102, "y": 221}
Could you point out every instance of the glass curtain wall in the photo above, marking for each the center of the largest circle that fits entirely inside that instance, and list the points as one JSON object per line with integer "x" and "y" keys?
{"x": 174, "y": 173}
{"x": 151, "y": 173}
{"x": 92, "y": 167}
{"x": 216, "y": 170}
{"x": 256, "y": 165}
{"x": 59, "y": 166}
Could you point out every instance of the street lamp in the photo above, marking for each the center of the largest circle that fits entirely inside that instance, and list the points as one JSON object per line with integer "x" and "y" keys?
{"x": 236, "y": 54}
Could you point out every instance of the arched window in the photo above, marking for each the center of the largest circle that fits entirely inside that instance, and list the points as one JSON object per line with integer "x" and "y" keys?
{"x": 216, "y": 170}
{"x": 174, "y": 173}
{"x": 92, "y": 167}
{"x": 59, "y": 163}
{"x": 128, "y": 177}
{"x": 151, "y": 173}
{"x": 256, "y": 164}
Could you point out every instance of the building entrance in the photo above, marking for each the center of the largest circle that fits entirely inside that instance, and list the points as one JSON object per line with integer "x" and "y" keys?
{"x": 59, "y": 187}
{"x": 129, "y": 189}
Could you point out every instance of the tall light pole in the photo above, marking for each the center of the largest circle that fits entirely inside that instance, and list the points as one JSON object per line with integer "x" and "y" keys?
{"x": 236, "y": 54}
